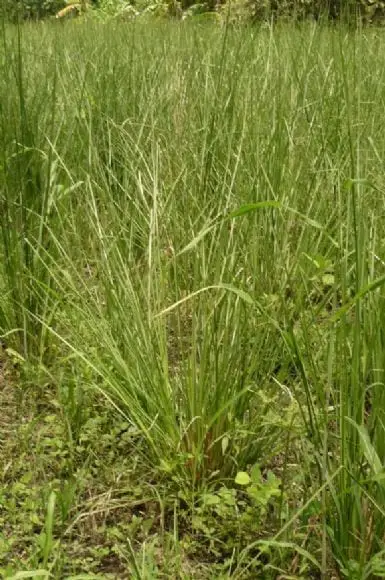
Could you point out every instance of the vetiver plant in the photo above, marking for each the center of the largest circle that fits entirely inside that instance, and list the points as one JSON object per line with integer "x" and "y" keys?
{"x": 173, "y": 340}
{"x": 28, "y": 187}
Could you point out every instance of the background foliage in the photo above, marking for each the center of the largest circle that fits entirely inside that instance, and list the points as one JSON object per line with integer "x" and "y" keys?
{"x": 31, "y": 9}
{"x": 369, "y": 11}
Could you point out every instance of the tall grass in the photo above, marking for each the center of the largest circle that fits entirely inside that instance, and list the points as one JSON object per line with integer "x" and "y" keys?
{"x": 223, "y": 336}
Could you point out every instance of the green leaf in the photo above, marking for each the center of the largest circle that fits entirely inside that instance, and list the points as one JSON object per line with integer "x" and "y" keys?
{"x": 195, "y": 241}
{"x": 240, "y": 293}
{"x": 41, "y": 574}
{"x": 349, "y": 183}
{"x": 289, "y": 546}
{"x": 367, "y": 447}
{"x": 328, "y": 280}
{"x": 379, "y": 477}
{"x": 225, "y": 444}
{"x": 211, "y": 499}
{"x": 243, "y": 478}
{"x": 85, "y": 577}
{"x": 256, "y": 475}
{"x": 16, "y": 356}
{"x": 249, "y": 207}
{"x": 361, "y": 294}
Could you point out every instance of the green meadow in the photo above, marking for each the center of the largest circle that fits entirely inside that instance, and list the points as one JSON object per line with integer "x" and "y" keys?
{"x": 192, "y": 313}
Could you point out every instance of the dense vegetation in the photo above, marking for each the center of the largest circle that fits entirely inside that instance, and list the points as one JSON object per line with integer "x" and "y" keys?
{"x": 368, "y": 11}
{"x": 192, "y": 301}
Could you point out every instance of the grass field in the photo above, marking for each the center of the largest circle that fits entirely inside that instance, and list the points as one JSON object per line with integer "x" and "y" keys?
{"x": 192, "y": 301}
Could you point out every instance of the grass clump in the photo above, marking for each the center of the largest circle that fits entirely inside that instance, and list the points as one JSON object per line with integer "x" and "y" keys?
{"x": 191, "y": 308}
